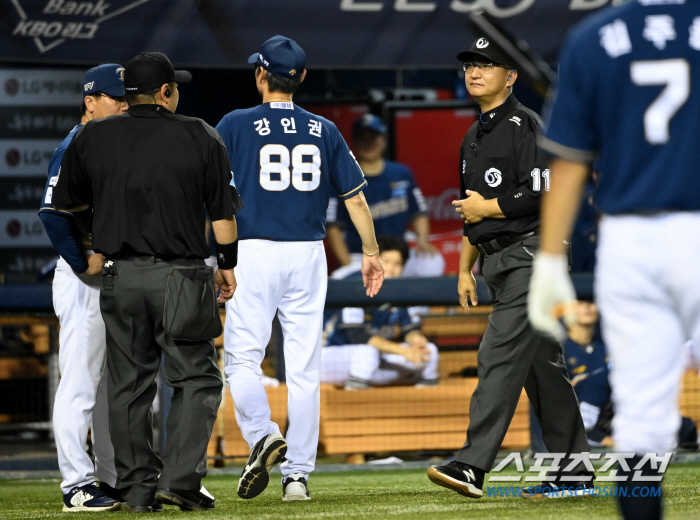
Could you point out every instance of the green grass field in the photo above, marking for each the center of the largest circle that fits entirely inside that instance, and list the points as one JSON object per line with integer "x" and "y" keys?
{"x": 365, "y": 495}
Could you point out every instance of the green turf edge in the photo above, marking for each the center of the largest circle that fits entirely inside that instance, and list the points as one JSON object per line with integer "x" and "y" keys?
{"x": 394, "y": 494}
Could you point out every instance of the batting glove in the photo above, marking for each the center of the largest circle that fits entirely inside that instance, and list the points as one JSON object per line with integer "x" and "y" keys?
{"x": 551, "y": 295}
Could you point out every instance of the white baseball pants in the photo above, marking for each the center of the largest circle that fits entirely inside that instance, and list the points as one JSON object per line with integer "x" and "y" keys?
{"x": 288, "y": 278}
{"x": 648, "y": 290}
{"x": 367, "y": 363}
{"x": 81, "y": 357}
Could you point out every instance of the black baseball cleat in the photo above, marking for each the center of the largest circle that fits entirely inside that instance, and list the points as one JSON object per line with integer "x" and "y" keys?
{"x": 112, "y": 493}
{"x": 186, "y": 499}
{"x": 561, "y": 490}
{"x": 256, "y": 475}
{"x": 153, "y": 508}
{"x": 457, "y": 476}
{"x": 88, "y": 498}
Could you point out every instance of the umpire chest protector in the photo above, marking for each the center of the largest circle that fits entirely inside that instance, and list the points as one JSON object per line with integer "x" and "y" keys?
{"x": 499, "y": 159}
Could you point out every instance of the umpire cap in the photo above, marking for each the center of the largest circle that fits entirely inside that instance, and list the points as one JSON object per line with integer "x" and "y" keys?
{"x": 483, "y": 50}
{"x": 150, "y": 70}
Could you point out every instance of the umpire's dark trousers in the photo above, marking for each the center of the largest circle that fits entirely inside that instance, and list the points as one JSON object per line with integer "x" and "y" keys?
{"x": 131, "y": 302}
{"x": 513, "y": 355}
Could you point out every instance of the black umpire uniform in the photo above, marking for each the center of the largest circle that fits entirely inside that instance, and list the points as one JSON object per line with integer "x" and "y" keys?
{"x": 500, "y": 159}
{"x": 150, "y": 174}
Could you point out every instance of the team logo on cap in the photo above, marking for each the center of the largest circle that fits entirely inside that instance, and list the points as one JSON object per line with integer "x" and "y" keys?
{"x": 88, "y": 86}
{"x": 292, "y": 72}
{"x": 482, "y": 43}
{"x": 120, "y": 73}
{"x": 263, "y": 60}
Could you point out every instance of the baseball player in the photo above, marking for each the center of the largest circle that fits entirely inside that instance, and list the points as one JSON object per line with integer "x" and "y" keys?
{"x": 395, "y": 201}
{"x": 285, "y": 161}
{"x": 76, "y": 293}
{"x": 627, "y": 100}
{"x": 587, "y": 364}
{"x": 362, "y": 348}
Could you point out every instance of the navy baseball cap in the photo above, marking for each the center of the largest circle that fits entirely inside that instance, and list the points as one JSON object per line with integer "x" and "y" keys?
{"x": 150, "y": 70}
{"x": 369, "y": 121}
{"x": 107, "y": 78}
{"x": 281, "y": 56}
{"x": 483, "y": 50}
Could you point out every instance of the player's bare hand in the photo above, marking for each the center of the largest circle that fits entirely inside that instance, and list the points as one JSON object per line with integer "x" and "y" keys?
{"x": 225, "y": 281}
{"x": 372, "y": 274}
{"x": 466, "y": 287}
{"x": 470, "y": 209}
{"x": 551, "y": 296}
{"x": 425, "y": 247}
{"x": 95, "y": 262}
{"x": 416, "y": 354}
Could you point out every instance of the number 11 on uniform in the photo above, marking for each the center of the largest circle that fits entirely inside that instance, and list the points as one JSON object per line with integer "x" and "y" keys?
{"x": 537, "y": 177}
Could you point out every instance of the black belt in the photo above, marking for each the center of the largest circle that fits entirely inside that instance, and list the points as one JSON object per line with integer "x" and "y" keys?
{"x": 500, "y": 243}
{"x": 154, "y": 259}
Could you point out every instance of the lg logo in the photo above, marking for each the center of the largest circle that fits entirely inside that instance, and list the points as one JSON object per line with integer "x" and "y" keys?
{"x": 493, "y": 177}
{"x": 12, "y": 86}
{"x": 482, "y": 43}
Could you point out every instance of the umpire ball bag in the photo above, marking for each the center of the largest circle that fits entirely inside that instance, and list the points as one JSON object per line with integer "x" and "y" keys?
{"x": 191, "y": 312}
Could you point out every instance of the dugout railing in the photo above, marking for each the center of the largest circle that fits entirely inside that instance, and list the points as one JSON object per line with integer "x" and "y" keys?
{"x": 31, "y": 305}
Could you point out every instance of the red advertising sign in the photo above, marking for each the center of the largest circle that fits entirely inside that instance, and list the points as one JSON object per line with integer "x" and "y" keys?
{"x": 342, "y": 115}
{"x": 428, "y": 140}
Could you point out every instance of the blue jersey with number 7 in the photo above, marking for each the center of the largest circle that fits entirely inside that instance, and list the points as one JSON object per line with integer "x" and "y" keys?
{"x": 285, "y": 161}
{"x": 628, "y": 100}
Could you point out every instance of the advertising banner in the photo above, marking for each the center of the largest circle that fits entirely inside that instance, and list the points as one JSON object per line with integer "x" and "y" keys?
{"x": 223, "y": 33}
{"x": 38, "y": 108}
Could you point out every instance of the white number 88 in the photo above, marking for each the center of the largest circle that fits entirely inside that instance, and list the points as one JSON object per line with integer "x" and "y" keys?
{"x": 299, "y": 167}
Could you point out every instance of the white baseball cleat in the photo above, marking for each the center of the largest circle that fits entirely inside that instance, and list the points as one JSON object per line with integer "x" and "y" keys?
{"x": 294, "y": 487}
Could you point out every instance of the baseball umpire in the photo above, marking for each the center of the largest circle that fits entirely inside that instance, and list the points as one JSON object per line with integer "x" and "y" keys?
{"x": 81, "y": 397}
{"x": 628, "y": 100}
{"x": 286, "y": 160}
{"x": 150, "y": 174}
{"x": 504, "y": 175}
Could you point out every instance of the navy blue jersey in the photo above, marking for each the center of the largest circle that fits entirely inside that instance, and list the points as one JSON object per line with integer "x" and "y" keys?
{"x": 355, "y": 325}
{"x": 628, "y": 99}
{"x": 394, "y": 199}
{"x": 287, "y": 162}
{"x": 584, "y": 236}
{"x": 69, "y": 232}
{"x": 54, "y": 170}
{"x": 588, "y": 371}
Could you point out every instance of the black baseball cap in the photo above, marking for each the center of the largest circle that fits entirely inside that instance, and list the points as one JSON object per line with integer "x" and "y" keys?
{"x": 483, "y": 50}
{"x": 282, "y": 56}
{"x": 150, "y": 70}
